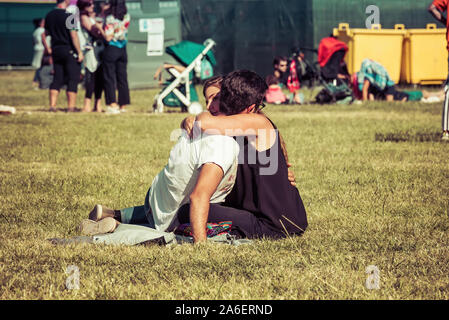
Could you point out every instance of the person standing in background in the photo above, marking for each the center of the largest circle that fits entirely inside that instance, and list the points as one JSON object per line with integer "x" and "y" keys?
{"x": 297, "y": 69}
{"x": 436, "y": 8}
{"x": 92, "y": 35}
{"x": 38, "y": 47}
{"x": 66, "y": 53}
{"x": 115, "y": 58}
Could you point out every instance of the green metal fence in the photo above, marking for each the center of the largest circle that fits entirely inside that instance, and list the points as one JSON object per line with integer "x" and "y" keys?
{"x": 16, "y": 29}
{"x": 249, "y": 33}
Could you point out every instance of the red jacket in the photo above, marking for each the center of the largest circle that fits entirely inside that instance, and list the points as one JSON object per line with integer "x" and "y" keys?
{"x": 442, "y": 6}
{"x": 328, "y": 46}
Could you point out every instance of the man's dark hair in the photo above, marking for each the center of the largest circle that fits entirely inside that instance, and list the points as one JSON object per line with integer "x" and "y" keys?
{"x": 278, "y": 60}
{"x": 37, "y": 22}
{"x": 241, "y": 89}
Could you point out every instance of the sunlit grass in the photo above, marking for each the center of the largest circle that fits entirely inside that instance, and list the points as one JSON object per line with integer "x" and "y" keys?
{"x": 374, "y": 179}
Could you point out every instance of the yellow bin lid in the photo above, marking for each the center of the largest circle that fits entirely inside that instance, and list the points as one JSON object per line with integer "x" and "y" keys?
{"x": 431, "y": 28}
{"x": 399, "y": 29}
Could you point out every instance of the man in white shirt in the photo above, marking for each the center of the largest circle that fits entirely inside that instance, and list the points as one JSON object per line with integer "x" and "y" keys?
{"x": 173, "y": 186}
{"x": 214, "y": 156}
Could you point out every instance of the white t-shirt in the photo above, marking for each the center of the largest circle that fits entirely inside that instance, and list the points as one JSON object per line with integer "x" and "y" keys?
{"x": 172, "y": 187}
{"x": 37, "y": 40}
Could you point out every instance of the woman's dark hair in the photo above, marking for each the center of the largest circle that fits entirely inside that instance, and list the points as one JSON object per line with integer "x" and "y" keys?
{"x": 37, "y": 22}
{"x": 215, "y": 81}
{"x": 241, "y": 89}
{"x": 117, "y": 9}
{"x": 82, "y": 5}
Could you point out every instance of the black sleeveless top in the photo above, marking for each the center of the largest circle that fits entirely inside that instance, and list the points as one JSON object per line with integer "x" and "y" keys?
{"x": 262, "y": 188}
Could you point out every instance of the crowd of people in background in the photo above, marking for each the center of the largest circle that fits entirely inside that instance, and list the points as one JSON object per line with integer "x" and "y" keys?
{"x": 94, "y": 49}
{"x": 371, "y": 82}
{"x": 74, "y": 44}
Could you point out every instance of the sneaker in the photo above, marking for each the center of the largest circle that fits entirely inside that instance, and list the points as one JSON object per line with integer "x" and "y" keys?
{"x": 92, "y": 228}
{"x": 432, "y": 99}
{"x": 445, "y": 136}
{"x": 100, "y": 212}
{"x": 112, "y": 110}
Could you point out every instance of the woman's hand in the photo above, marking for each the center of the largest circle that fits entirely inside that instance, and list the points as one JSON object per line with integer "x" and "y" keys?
{"x": 187, "y": 125}
{"x": 291, "y": 175}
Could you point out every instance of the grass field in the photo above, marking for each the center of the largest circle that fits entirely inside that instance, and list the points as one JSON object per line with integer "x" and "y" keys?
{"x": 374, "y": 179}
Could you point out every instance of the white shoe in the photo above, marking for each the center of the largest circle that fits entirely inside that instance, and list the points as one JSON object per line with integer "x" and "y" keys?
{"x": 432, "y": 99}
{"x": 92, "y": 228}
{"x": 445, "y": 136}
{"x": 7, "y": 110}
{"x": 112, "y": 110}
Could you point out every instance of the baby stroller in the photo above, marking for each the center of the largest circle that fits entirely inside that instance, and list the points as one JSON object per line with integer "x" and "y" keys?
{"x": 197, "y": 61}
{"x": 335, "y": 92}
{"x": 333, "y": 74}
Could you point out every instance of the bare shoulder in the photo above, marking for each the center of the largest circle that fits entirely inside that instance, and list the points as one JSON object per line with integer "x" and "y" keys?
{"x": 85, "y": 21}
{"x": 264, "y": 119}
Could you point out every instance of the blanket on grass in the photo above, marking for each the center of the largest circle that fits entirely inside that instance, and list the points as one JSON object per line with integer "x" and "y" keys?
{"x": 131, "y": 234}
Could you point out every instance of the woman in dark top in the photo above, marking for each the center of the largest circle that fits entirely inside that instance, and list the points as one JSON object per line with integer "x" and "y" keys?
{"x": 274, "y": 202}
{"x": 263, "y": 203}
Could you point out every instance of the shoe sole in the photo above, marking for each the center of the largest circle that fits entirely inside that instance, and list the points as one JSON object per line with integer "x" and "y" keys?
{"x": 92, "y": 228}
{"x": 96, "y": 213}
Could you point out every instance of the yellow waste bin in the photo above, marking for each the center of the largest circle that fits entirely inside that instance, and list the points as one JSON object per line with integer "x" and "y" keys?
{"x": 425, "y": 56}
{"x": 381, "y": 45}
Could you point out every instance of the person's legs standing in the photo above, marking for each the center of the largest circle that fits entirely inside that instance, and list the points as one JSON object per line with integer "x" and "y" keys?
{"x": 89, "y": 84}
{"x": 445, "y": 115}
{"x": 73, "y": 70}
{"x": 37, "y": 64}
{"x": 58, "y": 78}
{"x": 109, "y": 71}
{"x": 122, "y": 79}
{"x": 98, "y": 84}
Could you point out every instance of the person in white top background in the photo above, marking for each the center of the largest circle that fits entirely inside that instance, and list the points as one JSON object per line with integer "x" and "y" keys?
{"x": 38, "y": 47}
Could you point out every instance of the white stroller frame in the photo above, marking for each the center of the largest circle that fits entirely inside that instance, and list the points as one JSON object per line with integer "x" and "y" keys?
{"x": 182, "y": 78}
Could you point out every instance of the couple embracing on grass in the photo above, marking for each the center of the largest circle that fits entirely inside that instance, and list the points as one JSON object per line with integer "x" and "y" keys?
{"x": 229, "y": 164}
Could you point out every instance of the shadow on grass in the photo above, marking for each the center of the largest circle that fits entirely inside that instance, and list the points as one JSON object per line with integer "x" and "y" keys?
{"x": 406, "y": 136}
